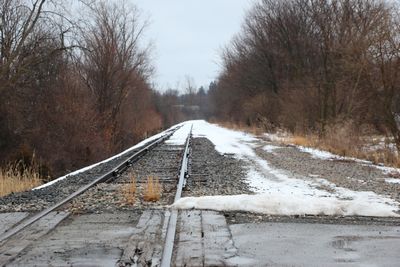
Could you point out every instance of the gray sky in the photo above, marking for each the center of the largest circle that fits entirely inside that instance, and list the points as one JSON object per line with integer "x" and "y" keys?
{"x": 188, "y": 36}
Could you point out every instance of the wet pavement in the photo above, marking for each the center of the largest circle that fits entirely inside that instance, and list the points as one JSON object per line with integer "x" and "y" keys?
{"x": 299, "y": 244}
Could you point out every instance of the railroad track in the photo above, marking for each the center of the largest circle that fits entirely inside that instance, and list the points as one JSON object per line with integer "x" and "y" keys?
{"x": 173, "y": 215}
{"x": 93, "y": 230}
{"x": 129, "y": 258}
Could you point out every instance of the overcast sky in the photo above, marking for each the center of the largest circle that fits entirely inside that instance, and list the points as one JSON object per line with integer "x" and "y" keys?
{"x": 188, "y": 36}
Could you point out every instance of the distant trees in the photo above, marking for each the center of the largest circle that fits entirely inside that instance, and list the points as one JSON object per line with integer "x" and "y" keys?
{"x": 304, "y": 65}
{"x": 72, "y": 90}
{"x": 192, "y": 104}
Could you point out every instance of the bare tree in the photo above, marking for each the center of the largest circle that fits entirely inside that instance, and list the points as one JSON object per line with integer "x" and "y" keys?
{"x": 114, "y": 62}
{"x": 385, "y": 68}
{"x": 310, "y": 64}
{"x": 24, "y": 26}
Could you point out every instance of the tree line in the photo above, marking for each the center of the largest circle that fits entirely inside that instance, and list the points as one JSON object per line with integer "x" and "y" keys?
{"x": 74, "y": 86}
{"x": 306, "y": 65}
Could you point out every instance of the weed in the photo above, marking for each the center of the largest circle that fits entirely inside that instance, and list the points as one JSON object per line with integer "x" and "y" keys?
{"x": 152, "y": 189}
{"x": 129, "y": 190}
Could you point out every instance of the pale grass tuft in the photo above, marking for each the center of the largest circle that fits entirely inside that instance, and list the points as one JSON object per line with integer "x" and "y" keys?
{"x": 152, "y": 189}
{"x": 129, "y": 190}
{"x": 17, "y": 177}
{"x": 301, "y": 140}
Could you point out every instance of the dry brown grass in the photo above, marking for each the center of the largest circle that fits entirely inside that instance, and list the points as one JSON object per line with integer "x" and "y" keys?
{"x": 299, "y": 140}
{"x": 241, "y": 127}
{"x": 129, "y": 190}
{"x": 17, "y": 177}
{"x": 342, "y": 139}
{"x": 347, "y": 143}
{"x": 385, "y": 156}
{"x": 152, "y": 189}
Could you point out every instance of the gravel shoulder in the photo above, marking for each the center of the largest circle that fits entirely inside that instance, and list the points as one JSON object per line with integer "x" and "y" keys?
{"x": 349, "y": 174}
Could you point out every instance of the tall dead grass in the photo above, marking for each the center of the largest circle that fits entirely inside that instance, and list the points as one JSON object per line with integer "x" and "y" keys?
{"x": 129, "y": 190}
{"x": 152, "y": 189}
{"x": 17, "y": 177}
{"x": 347, "y": 141}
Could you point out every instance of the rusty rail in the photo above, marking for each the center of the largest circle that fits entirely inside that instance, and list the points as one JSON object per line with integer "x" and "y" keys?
{"x": 114, "y": 173}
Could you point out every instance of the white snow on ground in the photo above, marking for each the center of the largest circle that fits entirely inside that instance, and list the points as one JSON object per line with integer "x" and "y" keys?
{"x": 392, "y": 181}
{"x": 276, "y": 204}
{"x": 270, "y": 148}
{"x": 277, "y": 192}
{"x": 226, "y": 141}
{"x": 276, "y": 137}
{"x": 318, "y": 154}
{"x": 179, "y": 137}
{"x": 325, "y": 155}
{"x": 154, "y": 137}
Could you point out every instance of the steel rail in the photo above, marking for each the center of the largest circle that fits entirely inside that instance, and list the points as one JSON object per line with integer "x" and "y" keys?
{"x": 172, "y": 216}
{"x": 114, "y": 173}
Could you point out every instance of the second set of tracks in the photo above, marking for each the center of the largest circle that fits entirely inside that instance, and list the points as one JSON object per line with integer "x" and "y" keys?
{"x": 170, "y": 219}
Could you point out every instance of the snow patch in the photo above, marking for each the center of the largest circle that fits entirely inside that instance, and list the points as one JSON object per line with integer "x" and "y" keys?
{"x": 392, "y": 181}
{"x": 279, "y": 204}
{"x": 226, "y": 141}
{"x": 325, "y": 155}
{"x": 279, "y": 137}
{"x": 282, "y": 191}
{"x": 270, "y": 148}
{"x": 317, "y": 154}
{"x": 179, "y": 137}
{"x": 277, "y": 193}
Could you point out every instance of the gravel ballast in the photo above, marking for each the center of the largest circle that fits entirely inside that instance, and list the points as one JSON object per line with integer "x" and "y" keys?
{"x": 356, "y": 176}
{"x": 39, "y": 199}
{"x": 214, "y": 174}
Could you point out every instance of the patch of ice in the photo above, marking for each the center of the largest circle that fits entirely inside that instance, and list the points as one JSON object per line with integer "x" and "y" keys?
{"x": 392, "y": 181}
